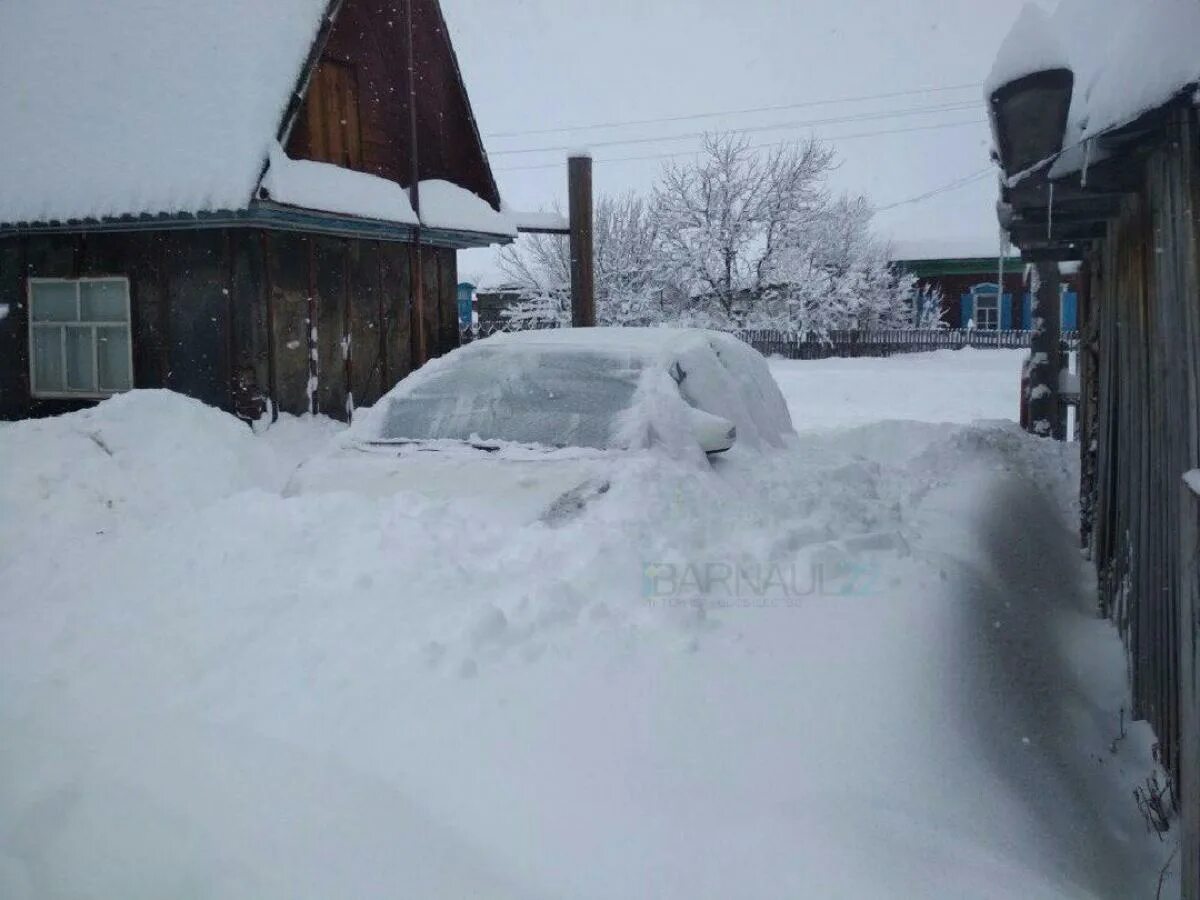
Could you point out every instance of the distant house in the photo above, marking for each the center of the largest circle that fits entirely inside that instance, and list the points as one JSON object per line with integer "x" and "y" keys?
{"x": 256, "y": 204}
{"x": 967, "y": 276}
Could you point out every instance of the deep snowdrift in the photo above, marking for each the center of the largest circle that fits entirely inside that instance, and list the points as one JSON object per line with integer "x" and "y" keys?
{"x": 840, "y": 670}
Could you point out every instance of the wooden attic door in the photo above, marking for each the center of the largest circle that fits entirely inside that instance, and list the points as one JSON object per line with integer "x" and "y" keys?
{"x": 332, "y": 130}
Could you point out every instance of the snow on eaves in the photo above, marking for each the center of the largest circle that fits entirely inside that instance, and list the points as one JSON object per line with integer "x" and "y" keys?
{"x": 329, "y": 188}
{"x": 539, "y": 220}
{"x": 1031, "y": 46}
{"x": 129, "y": 107}
{"x": 322, "y": 186}
{"x": 1150, "y": 59}
{"x": 1128, "y": 59}
{"x": 446, "y": 205}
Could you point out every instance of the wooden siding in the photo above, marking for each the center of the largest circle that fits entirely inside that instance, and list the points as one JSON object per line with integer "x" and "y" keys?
{"x": 226, "y": 315}
{"x": 365, "y": 57}
{"x": 1141, "y": 412}
{"x": 330, "y": 117}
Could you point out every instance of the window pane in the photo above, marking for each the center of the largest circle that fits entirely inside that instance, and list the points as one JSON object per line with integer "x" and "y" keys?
{"x": 80, "y": 357}
{"x": 53, "y": 301}
{"x": 102, "y": 301}
{"x": 112, "y": 345}
{"x": 47, "y": 359}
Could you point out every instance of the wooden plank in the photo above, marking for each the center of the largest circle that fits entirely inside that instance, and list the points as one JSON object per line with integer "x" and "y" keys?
{"x": 430, "y": 323}
{"x": 14, "y": 330}
{"x": 196, "y": 276}
{"x": 366, "y": 322}
{"x": 250, "y": 345}
{"x": 396, "y": 287}
{"x": 287, "y": 271}
{"x": 330, "y": 281}
{"x": 448, "y": 299}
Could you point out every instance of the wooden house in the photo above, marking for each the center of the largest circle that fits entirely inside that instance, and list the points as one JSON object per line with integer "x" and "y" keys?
{"x": 1100, "y": 149}
{"x": 256, "y": 204}
{"x": 967, "y": 277}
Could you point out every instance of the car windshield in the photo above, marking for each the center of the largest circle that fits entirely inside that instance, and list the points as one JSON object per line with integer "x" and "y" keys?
{"x": 556, "y": 399}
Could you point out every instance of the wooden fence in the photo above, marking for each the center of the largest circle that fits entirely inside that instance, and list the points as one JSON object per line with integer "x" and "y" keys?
{"x": 865, "y": 342}
{"x": 886, "y": 342}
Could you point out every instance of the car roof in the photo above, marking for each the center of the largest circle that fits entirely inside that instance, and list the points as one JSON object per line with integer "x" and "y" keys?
{"x": 649, "y": 343}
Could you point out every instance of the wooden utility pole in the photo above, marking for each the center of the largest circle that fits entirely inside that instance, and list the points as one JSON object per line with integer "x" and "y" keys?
{"x": 583, "y": 285}
{"x": 1045, "y": 412}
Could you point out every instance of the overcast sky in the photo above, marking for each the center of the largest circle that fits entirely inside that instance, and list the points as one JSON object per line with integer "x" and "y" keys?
{"x": 534, "y": 65}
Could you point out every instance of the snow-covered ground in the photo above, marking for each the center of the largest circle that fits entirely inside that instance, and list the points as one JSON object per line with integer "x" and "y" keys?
{"x": 865, "y": 667}
{"x": 947, "y": 386}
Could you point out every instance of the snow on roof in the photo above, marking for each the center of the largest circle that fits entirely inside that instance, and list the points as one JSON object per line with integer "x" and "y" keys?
{"x": 446, "y": 205}
{"x": 1031, "y": 46}
{"x": 315, "y": 185}
{"x": 1128, "y": 58}
{"x": 954, "y": 248}
{"x": 1147, "y": 60}
{"x": 142, "y": 106}
{"x": 537, "y": 220}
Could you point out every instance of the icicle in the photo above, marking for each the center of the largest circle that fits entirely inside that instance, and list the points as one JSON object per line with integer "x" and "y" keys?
{"x": 1087, "y": 162}
{"x": 1050, "y": 213}
{"x": 1000, "y": 278}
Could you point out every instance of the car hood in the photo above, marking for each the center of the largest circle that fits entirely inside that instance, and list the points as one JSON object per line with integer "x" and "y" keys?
{"x": 513, "y": 485}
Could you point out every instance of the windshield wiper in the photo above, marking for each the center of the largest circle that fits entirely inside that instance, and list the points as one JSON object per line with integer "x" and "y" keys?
{"x": 424, "y": 445}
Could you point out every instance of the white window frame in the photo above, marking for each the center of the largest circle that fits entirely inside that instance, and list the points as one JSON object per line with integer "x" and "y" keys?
{"x": 97, "y": 394}
{"x": 992, "y": 293}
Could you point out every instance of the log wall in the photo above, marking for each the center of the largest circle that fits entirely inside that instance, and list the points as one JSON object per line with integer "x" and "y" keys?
{"x": 1141, "y": 416}
{"x": 227, "y": 315}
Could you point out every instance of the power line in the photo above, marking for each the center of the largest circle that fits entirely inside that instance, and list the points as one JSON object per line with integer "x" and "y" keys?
{"x": 835, "y": 120}
{"x": 833, "y": 139}
{"x": 735, "y": 112}
{"x": 946, "y": 188}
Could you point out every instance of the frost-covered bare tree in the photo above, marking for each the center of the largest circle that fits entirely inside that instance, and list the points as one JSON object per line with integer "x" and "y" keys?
{"x": 725, "y": 217}
{"x": 758, "y": 241}
{"x": 734, "y": 238}
{"x": 627, "y": 270}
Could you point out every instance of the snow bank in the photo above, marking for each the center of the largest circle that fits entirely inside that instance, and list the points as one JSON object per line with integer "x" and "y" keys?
{"x": 143, "y": 106}
{"x": 142, "y": 456}
{"x": 315, "y": 185}
{"x": 828, "y": 671}
{"x": 446, "y": 205}
{"x": 1031, "y": 46}
{"x": 960, "y": 386}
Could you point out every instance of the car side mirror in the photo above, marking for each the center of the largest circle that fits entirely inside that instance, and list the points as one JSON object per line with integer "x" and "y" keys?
{"x": 713, "y": 433}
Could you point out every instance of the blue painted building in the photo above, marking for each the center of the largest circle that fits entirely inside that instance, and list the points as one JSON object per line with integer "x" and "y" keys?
{"x": 466, "y": 300}
{"x": 983, "y": 306}
{"x": 966, "y": 275}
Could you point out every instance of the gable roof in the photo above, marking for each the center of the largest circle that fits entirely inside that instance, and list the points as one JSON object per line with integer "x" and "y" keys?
{"x": 157, "y": 108}
{"x": 132, "y": 107}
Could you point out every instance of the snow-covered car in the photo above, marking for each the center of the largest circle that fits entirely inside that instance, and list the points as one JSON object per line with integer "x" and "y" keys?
{"x": 537, "y": 423}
